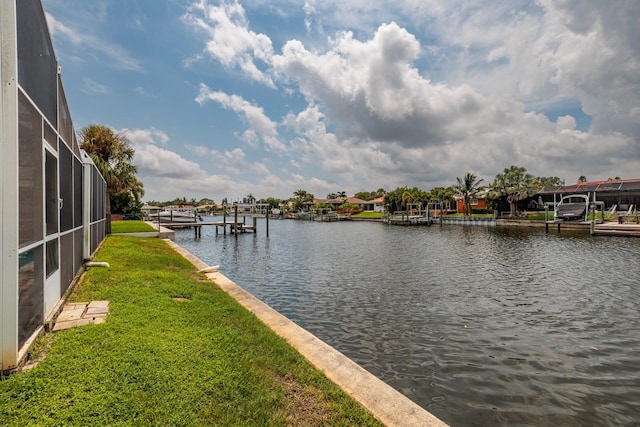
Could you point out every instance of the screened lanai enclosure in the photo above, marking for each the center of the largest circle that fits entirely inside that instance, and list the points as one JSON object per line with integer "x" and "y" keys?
{"x": 52, "y": 199}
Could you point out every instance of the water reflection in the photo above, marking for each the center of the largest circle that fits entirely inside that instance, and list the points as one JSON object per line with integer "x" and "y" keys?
{"x": 480, "y": 326}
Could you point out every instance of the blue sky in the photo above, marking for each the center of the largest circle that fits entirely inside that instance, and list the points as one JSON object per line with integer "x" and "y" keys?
{"x": 226, "y": 99}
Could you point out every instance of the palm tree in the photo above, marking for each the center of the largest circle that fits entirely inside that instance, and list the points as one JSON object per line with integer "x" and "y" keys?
{"x": 407, "y": 198}
{"x": 112, "y": 154}
{"x": 442, "y": 195}
{"x": 467, "y": 188}
{"x": 515, "y": 184}
{"x": 301, "y": 196}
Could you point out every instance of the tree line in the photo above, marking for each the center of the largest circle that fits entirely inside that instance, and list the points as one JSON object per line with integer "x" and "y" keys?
{"x": 508, "y": 188}
{"x": 112, "y": 154}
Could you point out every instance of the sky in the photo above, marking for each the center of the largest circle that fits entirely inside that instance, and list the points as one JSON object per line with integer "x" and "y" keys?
{"x": 223, "y": 99}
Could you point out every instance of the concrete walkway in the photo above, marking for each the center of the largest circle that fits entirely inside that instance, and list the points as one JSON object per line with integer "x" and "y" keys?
{"x": 386, "y": 403}
{"x": 80, "y": 314}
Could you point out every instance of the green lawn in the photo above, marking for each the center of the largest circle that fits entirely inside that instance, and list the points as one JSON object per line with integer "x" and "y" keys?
{"x": 368, "y": 215}
{"x": 175, "y": 351}
{"x": 130, "y": 227}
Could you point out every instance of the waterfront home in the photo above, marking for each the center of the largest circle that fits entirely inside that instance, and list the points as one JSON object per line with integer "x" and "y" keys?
{"x": 148, "y": 210}
{"x": 339, "y": 201}
{"x": 621, "y": 195}
{"x": 478, "y": 202}
{"x": 375, "y": 205}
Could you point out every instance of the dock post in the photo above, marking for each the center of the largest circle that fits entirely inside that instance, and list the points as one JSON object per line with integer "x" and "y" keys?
{"x": 267, "y": 220}
{"x": 224, "y": 220}
{"x": 235, "y": 219}
{"x": 255, "y": 225}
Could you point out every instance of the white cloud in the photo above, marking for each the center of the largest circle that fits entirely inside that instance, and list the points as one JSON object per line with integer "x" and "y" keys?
{"x": 153, "y": 161}
{"x": 260, "y": 125}
{"x": 408, "y": 112}
{"x": 417, "y": 130}
{"x": 370, "y": 92}
{"x": 146, "y": 136}
{"x": 230, "y": 40}
{"x": 96, "y": 88}
{"x": 407, "y": 93}
{"x": 164, "y": 173}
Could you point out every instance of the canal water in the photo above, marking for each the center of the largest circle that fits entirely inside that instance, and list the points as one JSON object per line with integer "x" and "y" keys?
{"x": 480, "y": 326}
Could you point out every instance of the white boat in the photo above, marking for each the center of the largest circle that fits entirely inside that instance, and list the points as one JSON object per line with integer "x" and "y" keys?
{"x": 573, "y": 208}
{"x": 302, "y": 215}
{"x": 178, "y": 216}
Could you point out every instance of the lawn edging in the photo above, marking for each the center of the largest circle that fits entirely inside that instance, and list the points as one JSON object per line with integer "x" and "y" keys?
{"x": 385, "y": 403}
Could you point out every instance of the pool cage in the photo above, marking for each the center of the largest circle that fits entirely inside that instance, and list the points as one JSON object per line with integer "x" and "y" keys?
{"x": 52, "y": 197}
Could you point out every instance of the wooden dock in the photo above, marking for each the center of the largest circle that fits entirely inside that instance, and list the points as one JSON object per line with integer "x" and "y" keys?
{"x": 616, "y": 229}
{"x": 238, "y": 227}
{"x": 232, "y": 227}
{"x": 235, "y": 225}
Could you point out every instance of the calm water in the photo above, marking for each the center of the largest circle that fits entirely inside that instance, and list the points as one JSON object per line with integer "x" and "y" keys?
{"x": 481, "y": 326}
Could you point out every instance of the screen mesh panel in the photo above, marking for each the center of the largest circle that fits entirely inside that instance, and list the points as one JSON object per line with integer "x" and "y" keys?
{"x": 31, "y": 293}
{"x": 78, "y": 193}
{"x": 66, "y": 188}
{"x": 66, "y": 126}
{"x": 30, "y": 172}
{"x": 50, "y": 136}
{"x": 52, "y": 201}
{"x": 67, "y": 262}
{"x": 52, "y": 256}
{"x": 37, "y": 65}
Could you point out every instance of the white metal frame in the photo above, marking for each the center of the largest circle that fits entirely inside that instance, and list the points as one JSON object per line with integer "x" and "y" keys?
{"x": 52, "y": 282}
{"x": 8, "y": 186}
{"x": 87, "y": 163}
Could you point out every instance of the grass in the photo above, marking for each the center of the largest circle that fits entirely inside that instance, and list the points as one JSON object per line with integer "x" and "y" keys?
{"x": 130, "y": 227}
{"x": 175, "y": 350}
{"x": 368, "y": 215}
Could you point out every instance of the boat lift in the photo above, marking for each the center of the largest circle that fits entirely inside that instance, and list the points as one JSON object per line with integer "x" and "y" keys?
{"x": 591, "y": 209}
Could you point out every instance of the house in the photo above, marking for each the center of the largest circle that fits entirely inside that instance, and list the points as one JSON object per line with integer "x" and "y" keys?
{"x": 150, "y": 210}
{"x": 375, "y": 205}
{"x": 339, "y": 201}
{"x": 623, "y": 194}
{"x": 52, "y": 201}
{"x": 478, "y": 202}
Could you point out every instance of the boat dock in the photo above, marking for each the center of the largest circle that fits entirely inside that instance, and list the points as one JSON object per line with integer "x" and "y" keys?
{"x": 617, "y": 229}
{"x": 234, "y": 225}
{"x": 407, "y": 220}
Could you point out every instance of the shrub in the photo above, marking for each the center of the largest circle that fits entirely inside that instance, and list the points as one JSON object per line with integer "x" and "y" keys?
{"x": 479, "y": 211}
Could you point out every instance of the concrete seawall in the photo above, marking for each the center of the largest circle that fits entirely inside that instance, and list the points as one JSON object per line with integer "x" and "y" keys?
{"x": 461, "y": 220}
{"x": 388, "y": 405}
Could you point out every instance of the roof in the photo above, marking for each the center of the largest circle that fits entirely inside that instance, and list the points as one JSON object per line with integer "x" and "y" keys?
{"x": 352, "y": 200}
{"x": 356, "y": 201}
{"x": 150, "y": 208}
{"x": 342, "y": 200}
{"x": 610, "y": 185}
